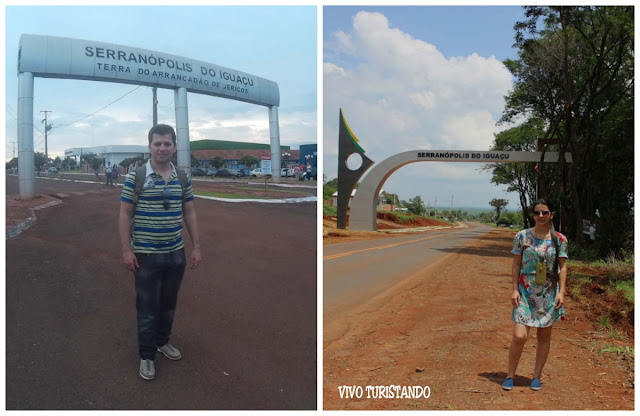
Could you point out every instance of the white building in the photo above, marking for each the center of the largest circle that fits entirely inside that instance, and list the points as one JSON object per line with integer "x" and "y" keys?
{"x": 111, "y": 154}
{"x": 381, "y": 206}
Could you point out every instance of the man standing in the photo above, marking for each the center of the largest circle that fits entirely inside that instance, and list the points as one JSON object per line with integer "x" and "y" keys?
{"x": 108, "y": 173}
{"x": 155, "y": 251}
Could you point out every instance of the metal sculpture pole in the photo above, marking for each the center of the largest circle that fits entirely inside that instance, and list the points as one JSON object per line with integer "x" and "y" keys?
{"x": 348, "y": 176}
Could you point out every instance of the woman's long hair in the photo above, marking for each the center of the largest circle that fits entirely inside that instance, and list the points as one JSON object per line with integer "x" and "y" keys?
{"x": 554, "y": 235}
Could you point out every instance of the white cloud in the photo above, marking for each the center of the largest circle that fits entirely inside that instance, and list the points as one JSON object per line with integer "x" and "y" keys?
{"x": 400, "y": 93}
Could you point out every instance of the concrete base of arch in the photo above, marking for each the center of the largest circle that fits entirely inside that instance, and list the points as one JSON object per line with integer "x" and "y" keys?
{"x": 363, "y": 207}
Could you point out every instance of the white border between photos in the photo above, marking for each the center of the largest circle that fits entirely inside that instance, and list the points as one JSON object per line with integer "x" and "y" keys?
{"x": 319, "y": 7}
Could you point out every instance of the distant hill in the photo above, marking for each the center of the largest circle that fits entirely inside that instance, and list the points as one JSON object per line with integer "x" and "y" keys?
{"x": 227, "y": 145}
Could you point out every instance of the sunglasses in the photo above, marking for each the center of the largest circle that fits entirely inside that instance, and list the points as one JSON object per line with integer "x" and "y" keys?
{"x": 166, "y": 195}
{"x": 543, "y": 213}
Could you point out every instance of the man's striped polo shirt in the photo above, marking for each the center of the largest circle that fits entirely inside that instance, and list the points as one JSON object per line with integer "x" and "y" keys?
{"x": 156, "y": 229}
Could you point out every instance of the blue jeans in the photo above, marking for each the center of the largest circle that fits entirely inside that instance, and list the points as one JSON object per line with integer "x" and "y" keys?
{"x": 157, "y": 284}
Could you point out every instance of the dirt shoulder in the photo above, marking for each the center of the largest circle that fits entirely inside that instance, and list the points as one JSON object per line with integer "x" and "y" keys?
{"x": 449, "y": 328}
{"x": 331, "y": 234}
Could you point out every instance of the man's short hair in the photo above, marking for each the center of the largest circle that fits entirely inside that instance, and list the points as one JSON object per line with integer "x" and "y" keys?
{"x": 162, "y": 130}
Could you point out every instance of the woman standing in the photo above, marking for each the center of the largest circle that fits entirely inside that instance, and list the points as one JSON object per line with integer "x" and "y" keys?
{"x": 539, "y": 274}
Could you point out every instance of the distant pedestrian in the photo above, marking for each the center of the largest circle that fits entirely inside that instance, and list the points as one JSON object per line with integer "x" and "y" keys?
{"x": 115, "y": 173}
{"x": 539, "y": 275}
{"x": 109, "y": 174}
{"x": 155, "y": 199}
{"x": 308, "y": 173}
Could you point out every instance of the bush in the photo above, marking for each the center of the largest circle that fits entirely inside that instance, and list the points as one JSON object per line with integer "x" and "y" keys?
{"x": 582, "y": 253}
{"x": 329, "y": 210}
{"x": 509, "y": 218}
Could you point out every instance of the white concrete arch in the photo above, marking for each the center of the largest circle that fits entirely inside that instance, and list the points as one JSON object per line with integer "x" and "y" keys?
{"x": 363, "y": 207}
{"x": 58, "y": 57}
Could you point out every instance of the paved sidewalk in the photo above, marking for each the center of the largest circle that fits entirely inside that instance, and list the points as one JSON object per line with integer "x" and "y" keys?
{"x": 21, "y": 214}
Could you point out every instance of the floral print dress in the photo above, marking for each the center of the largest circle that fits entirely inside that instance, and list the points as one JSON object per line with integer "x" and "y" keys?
{"x": 537, "y": 301}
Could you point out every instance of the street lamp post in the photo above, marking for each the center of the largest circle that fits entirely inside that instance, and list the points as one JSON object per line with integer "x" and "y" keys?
{"x": 285, "y": 159}
{"x": 309, "y": 158}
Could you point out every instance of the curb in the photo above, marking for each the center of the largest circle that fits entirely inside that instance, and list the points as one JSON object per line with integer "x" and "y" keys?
{"x": 23, "y": 226}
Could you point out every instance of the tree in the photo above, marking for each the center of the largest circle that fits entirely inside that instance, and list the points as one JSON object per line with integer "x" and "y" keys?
{"x": 92, "y": 160}
{"x": 249, "y": 161}
{"x": 126, "y": 162}
{"x": 217, "y": 162}
{"x": 509, "y": 218}
{"x": 391, "y": 199}
{"x": 484, "y": 217}
{"x": 519, "y": 177}
{"x": 416, "y": 206}
{"x": 13, "y": 163}
{"x": 40, "y": 160}
{"x": 575, "y": 72}
{"x": 57, "y": 162}
{"x": 498, "y": 204}
{"x": 329, "y": 189}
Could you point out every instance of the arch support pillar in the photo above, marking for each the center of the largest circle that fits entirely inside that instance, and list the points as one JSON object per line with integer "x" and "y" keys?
{"x": 274, "y": 136}
{"x": 182, "y": 128}
{"x": 26, "y": 163}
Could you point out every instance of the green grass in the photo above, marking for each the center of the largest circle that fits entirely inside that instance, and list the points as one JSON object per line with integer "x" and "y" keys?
{"x": 329, "y": 210}
{"x": 617, "y": 335}
{"x": 582, "y": 279}
{"x": 605, "y": 322}
{"x": 403, "y": 218}
{"x": 228, "y": 195}
{"x": 226, "y": 145}
{"x": 576, "y": 291}
{"x": 282, "y": 190}
{"x": 626, "y": 286}
{"x": 620, "y": 350}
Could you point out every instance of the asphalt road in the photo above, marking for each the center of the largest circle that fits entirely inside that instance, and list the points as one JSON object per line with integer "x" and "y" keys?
{"x": 245, "y": 322}
{"x": 358, "y": 271}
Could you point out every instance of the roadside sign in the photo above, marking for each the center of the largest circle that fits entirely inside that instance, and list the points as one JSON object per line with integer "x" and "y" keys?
{"x": 266, "y": 166}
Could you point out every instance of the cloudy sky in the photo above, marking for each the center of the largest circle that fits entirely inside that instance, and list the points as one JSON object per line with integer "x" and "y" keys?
{"x": 420, "y": 78}
{"x": 256, "y": 40}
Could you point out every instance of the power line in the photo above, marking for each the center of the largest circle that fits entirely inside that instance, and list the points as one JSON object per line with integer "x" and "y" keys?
{"x": 97, "y": 111}
{"x": 34, "y": 126}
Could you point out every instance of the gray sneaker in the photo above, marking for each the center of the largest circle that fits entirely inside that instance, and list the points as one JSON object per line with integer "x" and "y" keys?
{"x": 170, "y": 352}
{"x": 147, "y": 369}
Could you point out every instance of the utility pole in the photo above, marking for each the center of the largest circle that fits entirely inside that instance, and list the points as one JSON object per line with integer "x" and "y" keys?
{"x": 47, "y": 127}
{"x": 155, "y": 105}
{"x": 14, "y": 149}
{"x": 454, "y": 216}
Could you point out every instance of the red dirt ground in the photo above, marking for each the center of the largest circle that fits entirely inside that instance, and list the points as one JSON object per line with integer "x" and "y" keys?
{"x": 241, "y": 187}
{"x": 449, "y": 327}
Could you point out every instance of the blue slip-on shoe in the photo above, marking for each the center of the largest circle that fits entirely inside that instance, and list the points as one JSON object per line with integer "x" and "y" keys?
{"x": 536, "y": 384}
{"x": 508, "y": 384}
